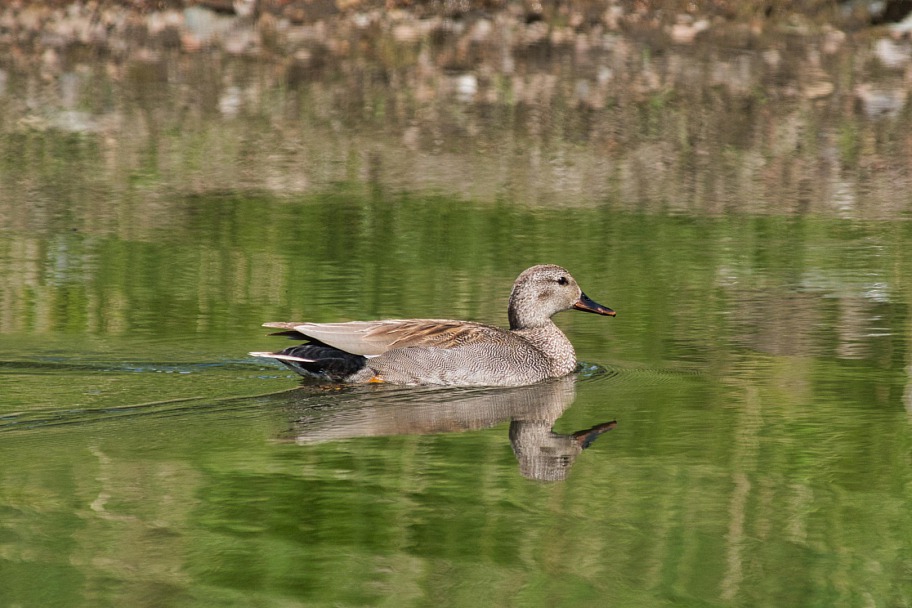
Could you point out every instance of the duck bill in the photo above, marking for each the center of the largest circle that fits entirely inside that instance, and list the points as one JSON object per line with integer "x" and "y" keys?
{"x": 587, "y": 305}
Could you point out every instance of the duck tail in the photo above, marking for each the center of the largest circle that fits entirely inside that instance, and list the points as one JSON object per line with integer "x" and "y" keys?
{"x": 320, "y": 361}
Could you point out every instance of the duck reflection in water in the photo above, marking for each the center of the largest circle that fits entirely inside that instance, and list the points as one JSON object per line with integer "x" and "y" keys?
{"x": 532, "y": 411}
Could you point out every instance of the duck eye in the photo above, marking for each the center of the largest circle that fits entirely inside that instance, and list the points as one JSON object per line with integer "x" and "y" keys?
{"x": 562, "y": 281}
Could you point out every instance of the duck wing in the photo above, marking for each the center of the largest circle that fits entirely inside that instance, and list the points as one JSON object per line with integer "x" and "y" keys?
{"x": 372, "y": 338}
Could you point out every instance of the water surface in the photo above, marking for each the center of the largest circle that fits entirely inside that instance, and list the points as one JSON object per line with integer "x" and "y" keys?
{"x": 738, "y": 436}
{"x": 756, "y": 371}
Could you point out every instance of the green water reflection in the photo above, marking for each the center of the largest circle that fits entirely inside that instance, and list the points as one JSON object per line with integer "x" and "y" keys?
{"x": 757, "y": 369}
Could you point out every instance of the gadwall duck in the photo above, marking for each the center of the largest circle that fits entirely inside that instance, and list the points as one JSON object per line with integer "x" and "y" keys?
{"x": 436, "y": 351}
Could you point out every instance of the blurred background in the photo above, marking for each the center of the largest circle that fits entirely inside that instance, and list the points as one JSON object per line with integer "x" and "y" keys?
{"x": 732, "y": 177}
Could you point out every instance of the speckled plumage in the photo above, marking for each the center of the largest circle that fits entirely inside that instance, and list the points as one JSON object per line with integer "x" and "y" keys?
{"x": 441, "y": 351}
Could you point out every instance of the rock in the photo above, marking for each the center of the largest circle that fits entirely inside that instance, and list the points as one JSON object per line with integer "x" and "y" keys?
{"x": 893, "y": 54}
{"x": 880, "y": 102}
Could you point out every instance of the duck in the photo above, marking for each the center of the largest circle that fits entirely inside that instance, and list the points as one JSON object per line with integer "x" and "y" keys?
{"x": 443, "y": 351}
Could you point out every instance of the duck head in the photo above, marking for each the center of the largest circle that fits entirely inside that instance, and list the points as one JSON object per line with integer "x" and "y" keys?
{"x": 544, "y": 290}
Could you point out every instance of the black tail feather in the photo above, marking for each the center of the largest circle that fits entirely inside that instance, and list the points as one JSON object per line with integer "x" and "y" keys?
{"x": 294, "y": 335}
{"x": 327, "y": 363}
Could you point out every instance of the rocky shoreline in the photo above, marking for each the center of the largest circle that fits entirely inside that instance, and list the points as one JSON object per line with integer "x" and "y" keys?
{"x": 551, "y": 103}
{"x": 285, "y": 27}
